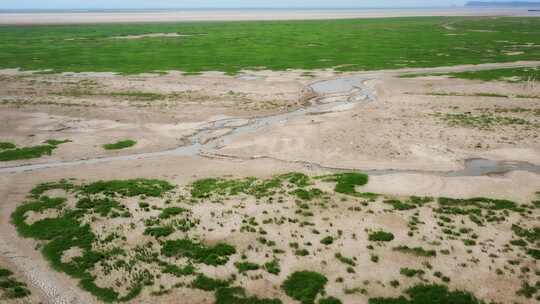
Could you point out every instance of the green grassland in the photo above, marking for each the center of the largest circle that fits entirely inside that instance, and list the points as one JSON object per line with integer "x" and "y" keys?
{"x": 348, "y": 45}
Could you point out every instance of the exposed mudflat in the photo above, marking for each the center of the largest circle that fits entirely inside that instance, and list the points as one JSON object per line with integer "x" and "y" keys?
{"x": 427, "y": 136}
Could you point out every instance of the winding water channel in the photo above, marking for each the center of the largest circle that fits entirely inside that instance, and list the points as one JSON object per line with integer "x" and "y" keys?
{"x": 332, "y": 95}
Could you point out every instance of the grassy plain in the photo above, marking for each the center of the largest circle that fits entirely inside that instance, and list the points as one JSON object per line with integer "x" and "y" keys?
{"x": 347, "y": 45}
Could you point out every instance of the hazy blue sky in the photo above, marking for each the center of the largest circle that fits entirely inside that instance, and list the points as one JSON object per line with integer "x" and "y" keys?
{"x": 104, "y": 4}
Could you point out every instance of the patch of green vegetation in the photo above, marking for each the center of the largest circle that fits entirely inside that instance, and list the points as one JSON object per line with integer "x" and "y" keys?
{"x": 527, "y": 290}
{"x": 345, "y": 260}
{"x": 7, "y": 145}
{"x": 171, "y": 212}
{"x": 246, "y": 266}
{"x": 205, "y": 283}
{"x": 346, "y": 182}
{"x": 158, "y": 232}
{"x": 330, "y": 300}
{"x": 409, "y": 272}
{"x": 380, "y": 236}
{"x": 121, "y": 144}
{"x": 535, "y": 253}
{"x": 272, "y": 267}
{"x": 304, "y": 286}
{"x": 418, "y": 251}
{"x": 61, "y": 234}
{"x": 11, "y": 288}
{"x": 103, "y": 206}
{"x": 399, "y": 205}
{"x": 26, "y": 152}
{"x": 430, "y": 294}
{"x": 213, "y": 186}
{"x": 480, "y": 202}
{"x": 130, "y": 187}
{"x": 531, "y": 235}
{"x": 43, "y": 187}
{"x": 296, "y": 178}
{"x": 237, "y": 295}
{"x": 482, "y": 121}
{"x": 210, "y": 255}
{"x": 348, "y": 45}
{"x": 307, "y": 195}
{"x": 178, "y": 271}
{"x": 56, "y": 142}
{"x": 328, "y": 240}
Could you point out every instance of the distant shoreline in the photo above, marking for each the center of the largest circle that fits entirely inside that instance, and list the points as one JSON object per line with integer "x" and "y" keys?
{"x": 44, "y": 17}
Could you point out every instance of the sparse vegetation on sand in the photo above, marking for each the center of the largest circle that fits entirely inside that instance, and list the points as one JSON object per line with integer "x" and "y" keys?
{"x": 11, "y": 288}
{"x": 206, "y": 235}
{"x": 347, "y": 45}
{"x": 482, "y": 121}
{"x": 121, "y": 144}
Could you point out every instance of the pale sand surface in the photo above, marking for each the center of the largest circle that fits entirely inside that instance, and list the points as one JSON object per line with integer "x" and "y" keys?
{"x": 29, "y": 18}
{"x": 35, "y": 108}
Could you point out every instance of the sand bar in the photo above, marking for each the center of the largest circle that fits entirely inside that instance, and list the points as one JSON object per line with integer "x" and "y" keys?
{"x": 85, "y": 17}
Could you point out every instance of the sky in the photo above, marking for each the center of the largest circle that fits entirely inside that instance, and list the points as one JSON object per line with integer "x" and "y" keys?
{"x": 112, "y": 4}
{"x": 117, "y": 4}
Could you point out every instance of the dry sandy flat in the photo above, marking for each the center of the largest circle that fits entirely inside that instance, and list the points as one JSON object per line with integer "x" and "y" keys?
{"x": 22, "y": 18}
{"x": 254, "y": 125}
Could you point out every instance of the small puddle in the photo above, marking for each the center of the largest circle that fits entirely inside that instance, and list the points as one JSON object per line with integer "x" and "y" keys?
{"x": 480, "y": 166}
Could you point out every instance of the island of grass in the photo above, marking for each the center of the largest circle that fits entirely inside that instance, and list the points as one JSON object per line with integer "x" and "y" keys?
{"x": 121, "y": 144}
{"x": 10, "y": 152}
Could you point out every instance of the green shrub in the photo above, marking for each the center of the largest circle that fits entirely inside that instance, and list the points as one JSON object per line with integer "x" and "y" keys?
{"x": 330, "y": 300}
{"x": 205, "y": 283}
{"x": 327, "y": 240}
{"x": 178, "y": 271}
{"x": 418, "y": 251}
{"x": 246, "y": 266}
{"x": 380, "y": 236}
{"x": 171, "y": 211}
{"x": 409, "y": 272}
{"x": 56, "y": 142}
{"x": 398, "y": 205}
{"x": 237, "y": 295}
{"x": 130, "y": 187}
{"x": 346, "y": 182}
{"x": 213, "y": 255}
{"x": 272, "y": 267}
{"x": 122, "y": 144}
{"x": 304, "y": 286}
{"x": 345, "y": 260}
{"x": 7, "y": 145}
{"x": 430, "y": 294}
{"x": 307, "y": 195}
{"x": 158, "y": 232}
